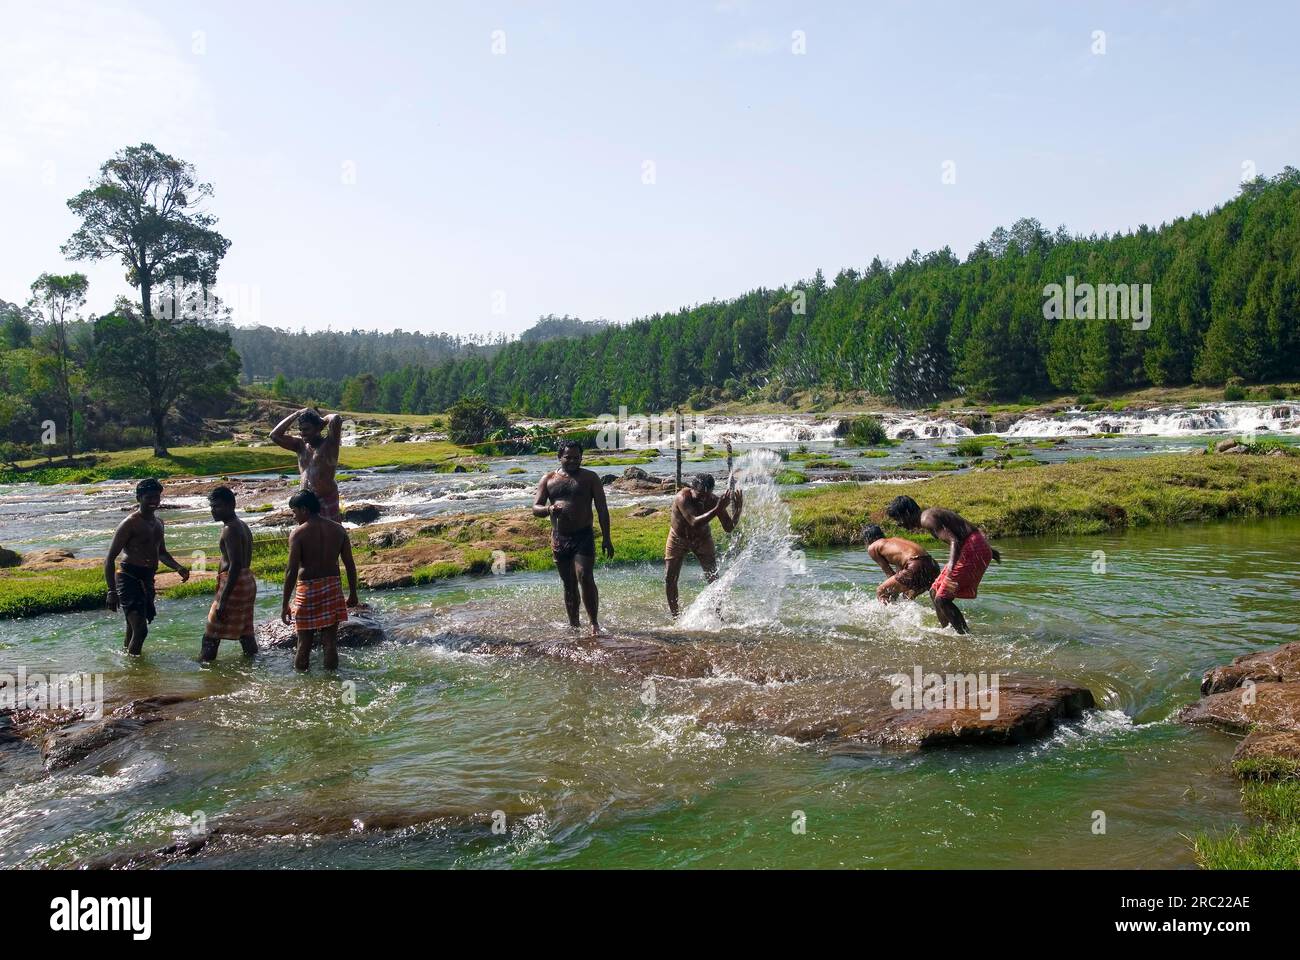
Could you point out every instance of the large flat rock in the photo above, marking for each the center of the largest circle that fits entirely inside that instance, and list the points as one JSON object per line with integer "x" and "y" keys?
{"x": 859, "y": 709}
{"x": 362, "y": 628}
{"x": 1268, "y": 706}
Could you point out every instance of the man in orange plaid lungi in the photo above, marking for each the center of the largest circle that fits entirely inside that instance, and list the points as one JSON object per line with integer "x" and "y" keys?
{"x": 314, "y": 604}
{"x": 231, "y": 616}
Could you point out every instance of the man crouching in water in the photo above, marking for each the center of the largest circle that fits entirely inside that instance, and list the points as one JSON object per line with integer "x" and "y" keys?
{"x": 139, "y": 538}
{"x": 566, "y": 496}
{"x": 909, "y": 569}
{"x": 315, "y": 547}
{"x": 969, "y": 555}
{"x": 688, "y": 530}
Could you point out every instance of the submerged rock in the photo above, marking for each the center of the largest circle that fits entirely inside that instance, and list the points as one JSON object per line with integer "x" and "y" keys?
{"x": 856, "y": 708}
{"x": 69, "y": 746}
{"x": 361, "y": 629}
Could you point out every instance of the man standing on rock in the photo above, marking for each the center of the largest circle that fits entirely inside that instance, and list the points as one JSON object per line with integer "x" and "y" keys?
{"x": 313, "y": 596}
{"x": 693, "y": 509}
{"x": 318, "y": 454}
{"x": 566, "y": 496}
{"x": 969, "y": 555}
{"x": 231, "y": 616}
{"x": 139, "y": 539}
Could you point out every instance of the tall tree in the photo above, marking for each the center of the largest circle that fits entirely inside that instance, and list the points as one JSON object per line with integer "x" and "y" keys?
{"x": 59, "y": 298}
{"x": 143, "y": 208}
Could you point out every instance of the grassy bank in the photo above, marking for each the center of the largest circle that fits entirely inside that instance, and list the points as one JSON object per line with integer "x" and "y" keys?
{"x": 1273, "y": 799}
{"x": 227, "y": 459}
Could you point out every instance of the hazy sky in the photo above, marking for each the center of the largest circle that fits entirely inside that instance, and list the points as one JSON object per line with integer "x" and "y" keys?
{"x": 490, "y": 186}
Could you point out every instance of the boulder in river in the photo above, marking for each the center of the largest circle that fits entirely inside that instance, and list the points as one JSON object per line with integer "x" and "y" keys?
{"x": 361, "y": 629}
{"x": 9, "y": 558}
{"x": 70, "y": 745}
{"x": 361, "y": 513}
{"x": 1279, "y": 665}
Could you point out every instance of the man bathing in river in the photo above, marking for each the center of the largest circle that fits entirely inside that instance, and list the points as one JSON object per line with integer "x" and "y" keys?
{"x": 139, "y": 539}
{"x": 694, "y": 508}
{"x": 567, "y": 496}
{"x": 969, "y": 555}
{"x": 313, "y": 597}
{"x": 909, "y": 569}
{"x": 318, "y": 454}
{"x": 231, "y": 616}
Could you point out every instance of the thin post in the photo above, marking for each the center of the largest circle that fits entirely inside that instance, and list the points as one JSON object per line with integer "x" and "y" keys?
{"x": 678, "y": 425}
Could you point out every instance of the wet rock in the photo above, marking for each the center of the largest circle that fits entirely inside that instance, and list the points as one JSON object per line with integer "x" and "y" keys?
{"x": 361, "y": 629}
{"x": 1269, "y": 706}
{"x": 1268, "y": 753}
{"x": 646, "y": 487}
{"x": 9, "y": 558}
{"x": 907, "y": 433}
{"x": 361, "y": 513}
{"x": 607, "y": 478}
{"x": 277, "y": 518}
{"x": 1279, "y": 665}
{"x": 391, "y": 537}
{"x": 69, "y": 746}
{"x": 385, "y": 576}
{"x": 1227, "y": 446}
{"x": 643, "y": 512}
{"x": 635, "y": 473}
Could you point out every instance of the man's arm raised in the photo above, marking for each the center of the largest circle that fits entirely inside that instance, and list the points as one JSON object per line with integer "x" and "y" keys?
{"x": 282, "y": 439}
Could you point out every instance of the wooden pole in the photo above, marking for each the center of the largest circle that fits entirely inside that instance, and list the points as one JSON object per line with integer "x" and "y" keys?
{"x": 731, "y": 477}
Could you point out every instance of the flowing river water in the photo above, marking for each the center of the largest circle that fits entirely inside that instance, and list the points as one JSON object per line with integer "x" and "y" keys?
{"x": 576, "y": 766}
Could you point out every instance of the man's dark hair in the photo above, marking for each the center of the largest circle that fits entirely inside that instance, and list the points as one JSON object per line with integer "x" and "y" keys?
{"x": 565, "y": 445}
{"x": 222, "y": 495}
{"x": 147, "y": 485}
{"x": 310, "y": 418}
{"x": 703, "y": 482}
{"x": 306, "y": 500}
{"x": 871, "y": 533}
{"x": 902, "y": 509}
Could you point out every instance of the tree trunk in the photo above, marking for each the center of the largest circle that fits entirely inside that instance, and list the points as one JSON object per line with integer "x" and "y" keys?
{"x": 159, "y": 433}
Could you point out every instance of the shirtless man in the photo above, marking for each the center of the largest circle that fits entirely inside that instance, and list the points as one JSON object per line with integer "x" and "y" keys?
{"x": 688, "y": 530}
{"x": 969, "y": 555}
{"x": 313, "y": 597}
{"x": 566, "y": 496}
{"x": 139, "y": 539}
{"x": 231, "y": 616}
{"x": 909, "y": 569}
{"x": 318, "y": 454}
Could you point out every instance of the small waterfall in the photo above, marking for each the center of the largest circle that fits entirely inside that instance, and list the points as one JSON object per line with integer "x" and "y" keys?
{"x": 760, "y": 559}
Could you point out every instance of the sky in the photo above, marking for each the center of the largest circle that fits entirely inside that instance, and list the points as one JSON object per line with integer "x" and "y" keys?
{"x": 469, "y": 167}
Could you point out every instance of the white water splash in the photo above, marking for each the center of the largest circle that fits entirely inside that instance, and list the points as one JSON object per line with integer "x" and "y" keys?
{"x": 760, "y": 560}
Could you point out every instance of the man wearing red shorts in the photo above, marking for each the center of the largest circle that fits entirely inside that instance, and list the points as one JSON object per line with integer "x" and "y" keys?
{"x": 314, "y": 603}
{"x": 969, "y": 555}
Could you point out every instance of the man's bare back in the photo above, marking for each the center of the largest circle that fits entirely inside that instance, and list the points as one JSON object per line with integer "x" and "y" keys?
{"x": 236, "y": 545}
{"x": 319, "y": 544}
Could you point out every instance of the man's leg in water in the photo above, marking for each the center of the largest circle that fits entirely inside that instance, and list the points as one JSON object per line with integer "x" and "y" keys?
{"x": 249, "y": 644}
{"x": 329, "y": 639}
{"x": 570, "y": 579}
{"x": 584, "y": 569}
{"x": 210, "y": 647}
{"x": 672, "y": 571}
{"x": 948, "y": 613}
{"x": 303, "y": 658}
{"x": 137, "y": 628}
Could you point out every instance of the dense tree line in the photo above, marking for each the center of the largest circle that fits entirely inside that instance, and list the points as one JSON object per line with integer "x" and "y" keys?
{"x": 1224, "y": 301}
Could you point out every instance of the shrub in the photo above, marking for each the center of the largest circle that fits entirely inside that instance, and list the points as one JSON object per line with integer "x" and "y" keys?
{"x": 1234, "y": 392}
{"x": 471, "y": 421}
{"x": 1277, "y": 393}
{"x": 970, "y": 447}
{"x": 863, "y": 432}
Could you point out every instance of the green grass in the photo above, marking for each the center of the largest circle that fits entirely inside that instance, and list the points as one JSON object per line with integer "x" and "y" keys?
{"x": 970, "y": 447}
{"x": 1274, "y": 844}
{"x": 632, "y": 461}
{"x": 791, "y": 477}
{"x": 226, "y": 459}
{"x": 930, "y": 465}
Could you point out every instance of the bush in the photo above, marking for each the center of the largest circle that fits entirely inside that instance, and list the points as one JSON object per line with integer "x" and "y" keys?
{"x": 1277, "y": 393}
{"x": 863, "y": 432}
{"x": 1234, "y": 392}
{"x": 970, "y": 447}
{"x": 1084, "y": 399}
{"x": 471, "y": 421}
